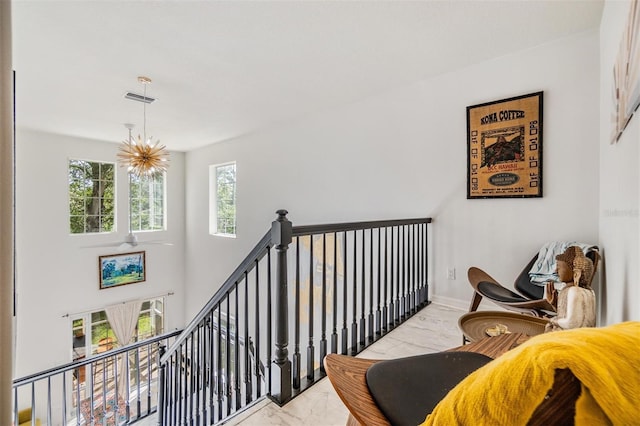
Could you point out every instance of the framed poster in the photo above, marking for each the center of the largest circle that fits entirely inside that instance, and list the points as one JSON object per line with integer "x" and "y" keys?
{"x": 121, "y": 269}
{"x": 626, "y": 75}
{"x": 504, "y": 148}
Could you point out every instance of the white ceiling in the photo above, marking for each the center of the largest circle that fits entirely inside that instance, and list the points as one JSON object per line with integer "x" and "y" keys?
{"x": 221, "y": 69}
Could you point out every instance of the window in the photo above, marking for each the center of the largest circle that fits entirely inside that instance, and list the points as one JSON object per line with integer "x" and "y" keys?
{"x": 91, "y": 197}
{"x": 223, "y": 199}
{"x": 93, "y": 334}
{"x": 151, "y": 319}
{"x": 147, "y": 202}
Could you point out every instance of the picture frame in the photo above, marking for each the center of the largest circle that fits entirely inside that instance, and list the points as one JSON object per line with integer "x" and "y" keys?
{"x": 504, "y": 148}
{"x": 625, "y": 91}
{"x": 121, "y": 269}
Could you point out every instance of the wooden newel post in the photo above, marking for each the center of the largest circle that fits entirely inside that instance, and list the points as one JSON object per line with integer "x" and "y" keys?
{"x": 281, "y": 236}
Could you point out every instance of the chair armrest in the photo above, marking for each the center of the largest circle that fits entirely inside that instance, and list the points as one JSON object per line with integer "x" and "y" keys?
{"x": 348, "y": 377}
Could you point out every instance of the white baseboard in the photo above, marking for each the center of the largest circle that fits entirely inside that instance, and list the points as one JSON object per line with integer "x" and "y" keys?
{"x": 451, "y": 302}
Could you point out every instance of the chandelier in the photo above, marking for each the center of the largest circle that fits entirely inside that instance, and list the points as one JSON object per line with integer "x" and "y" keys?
{"x": 143, "y": 157}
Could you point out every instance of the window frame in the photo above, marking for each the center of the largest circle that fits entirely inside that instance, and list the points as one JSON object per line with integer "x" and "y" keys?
{"x": 84, "y": 322}
{"x": 136, "y": 215}
{"x": 84, "y": 199}
{"x": 214, "y": 202}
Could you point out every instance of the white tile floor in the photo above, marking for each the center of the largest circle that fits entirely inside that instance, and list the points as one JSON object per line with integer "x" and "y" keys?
{"x": 433, "y": 329}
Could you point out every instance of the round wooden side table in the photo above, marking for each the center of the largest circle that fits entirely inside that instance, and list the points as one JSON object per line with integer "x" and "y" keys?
{"x": 477, "y": 325}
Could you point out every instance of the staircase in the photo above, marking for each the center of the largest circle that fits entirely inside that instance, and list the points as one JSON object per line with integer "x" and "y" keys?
{"x": 302, "y": 292}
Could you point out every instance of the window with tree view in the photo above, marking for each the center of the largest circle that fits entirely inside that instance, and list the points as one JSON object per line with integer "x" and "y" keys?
{"x": 223, "y": 201}
{"x": 91, "y": 196}
{"x": 92, "y": 332}
{"x": 147, "y": 202}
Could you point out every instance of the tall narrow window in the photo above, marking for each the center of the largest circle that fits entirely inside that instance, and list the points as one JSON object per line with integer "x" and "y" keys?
{"x": 91, "y": 197}
{"x": 147, "y": 202}
{"x": 223, "y": 199}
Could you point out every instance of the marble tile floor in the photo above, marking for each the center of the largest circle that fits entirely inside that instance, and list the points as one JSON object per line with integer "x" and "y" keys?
{"x": 432, "y": 329}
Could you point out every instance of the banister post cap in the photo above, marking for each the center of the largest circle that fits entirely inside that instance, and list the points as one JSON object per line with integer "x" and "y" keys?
{"x": 281, "y": 229}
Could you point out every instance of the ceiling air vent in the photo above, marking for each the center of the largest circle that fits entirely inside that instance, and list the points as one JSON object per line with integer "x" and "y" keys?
{"x": 140, "y": 98}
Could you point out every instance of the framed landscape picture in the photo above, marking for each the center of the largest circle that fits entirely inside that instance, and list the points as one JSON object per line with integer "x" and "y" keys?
{"x": 504, "y": 148}
{"x": 121, "y": 269}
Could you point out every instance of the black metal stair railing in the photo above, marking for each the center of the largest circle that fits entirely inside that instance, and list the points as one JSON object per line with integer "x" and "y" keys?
{"x": 332, "y": 288}
{"x": 89, "y": 391}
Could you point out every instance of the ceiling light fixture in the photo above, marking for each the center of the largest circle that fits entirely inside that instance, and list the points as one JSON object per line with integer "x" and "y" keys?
{"x": 143, "y": 157}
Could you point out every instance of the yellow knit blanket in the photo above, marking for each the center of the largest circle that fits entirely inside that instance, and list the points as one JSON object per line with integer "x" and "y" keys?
{"x": 507, "y": 390}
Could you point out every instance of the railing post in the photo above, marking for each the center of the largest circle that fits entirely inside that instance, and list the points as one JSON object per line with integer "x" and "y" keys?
{"x": 281, "y": 236}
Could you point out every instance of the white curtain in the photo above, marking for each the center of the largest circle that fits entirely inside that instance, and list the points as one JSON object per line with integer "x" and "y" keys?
{"x": 123, "y": 318}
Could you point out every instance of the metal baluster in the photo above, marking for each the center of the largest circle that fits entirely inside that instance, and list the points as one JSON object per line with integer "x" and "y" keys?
{"x": 370, "y": 318}
{"x": 198, "y": 373}
{"x": 33, "y": 404}
{"x": 334, "y": 334}
{"x": 296, "y": 333}
{"x": 412, "y": 267}
{"x": 345, "y": 336}
{"x": 236, "y": 351}
{"x": 167, "y": 398}
{"x": 385, "y": 324}
{"x": 269, "y": 322}
{"x": 416, "y": 279}
{"x": 227, "y": 368}
{"x": 177, "y": 386}
{"x": 247, "y": 361}
{"x": 392, "y": 304}
{"x": 398, "y": 281}
{"x": 310, "y": 347}
{"x": 323, "y": 339}
{"x": 162, "y": 388}
{"x": 91, "y": 401}
{"x": 202, "y": 372}
{"x": 212, "y": 366}
{"x": 104, "y": 385}
{"x": 190, "y": 387}
{"x": 378, "y": 311}
{"x": 137, "y": 357}
{"x": 149, "y": 374}
{"x": 219, "y": 384}
{"x": 426, "y": 264}
{"x": 354, "y": 325}
{"x": 49, "y": 419}
{"x": 128, "y": 385}
{"x": 15, "y": 406}
{"x": 257, "y": 338}
{"x": 403, "y": 304}
{"x": 363, "y": 283}
{"x": 421, "y": 262}
{"x": 181, "y": 367}
{"x": 64, "y": 398}
{"x": 416, "y": 266}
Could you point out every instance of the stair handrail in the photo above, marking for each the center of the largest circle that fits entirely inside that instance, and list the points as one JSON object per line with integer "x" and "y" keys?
{"x": 246, "y": 265}
{"x": 350, "y": 226}
{"x": 93, "y": 358}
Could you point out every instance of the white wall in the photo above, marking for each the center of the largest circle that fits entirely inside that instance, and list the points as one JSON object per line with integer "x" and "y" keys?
{"x": 402, "y": 154}
{"x": 619, "y": 184}
{"x": 57, "y": 273}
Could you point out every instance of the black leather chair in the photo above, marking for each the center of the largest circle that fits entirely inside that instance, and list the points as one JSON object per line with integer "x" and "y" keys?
{"x": 530, "y": 297}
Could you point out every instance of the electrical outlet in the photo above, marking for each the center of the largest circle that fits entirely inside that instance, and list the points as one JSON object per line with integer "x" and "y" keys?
{"x": 451, "y": 273}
